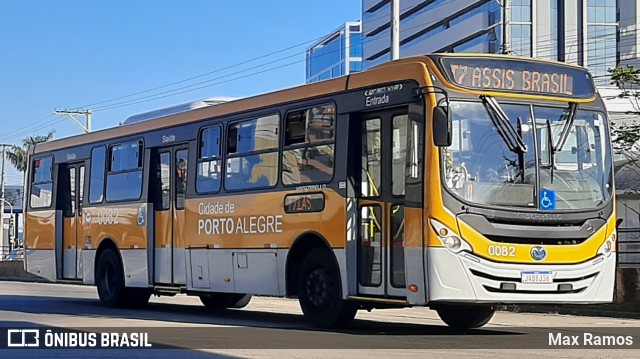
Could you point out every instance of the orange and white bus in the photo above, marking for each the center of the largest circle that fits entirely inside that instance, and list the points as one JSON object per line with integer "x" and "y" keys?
{"x": 455, "y": 182}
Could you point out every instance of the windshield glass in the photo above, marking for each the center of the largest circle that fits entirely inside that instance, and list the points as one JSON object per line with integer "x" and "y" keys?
{"x": 481, "y": 167}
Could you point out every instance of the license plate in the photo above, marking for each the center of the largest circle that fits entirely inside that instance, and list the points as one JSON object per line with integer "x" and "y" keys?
{"x": 537, "y": 277}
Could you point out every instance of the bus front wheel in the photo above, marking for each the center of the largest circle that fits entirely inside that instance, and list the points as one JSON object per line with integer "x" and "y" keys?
{"x": 320, "y": 291}
{"x": 466, "y": 316}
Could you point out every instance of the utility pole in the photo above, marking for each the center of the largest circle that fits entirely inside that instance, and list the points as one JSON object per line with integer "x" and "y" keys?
{"x": 506, "y": 31}
{"x": 2, "y": 195}
{"x": 71, "y": 114}
{"x": 395, "y": 29}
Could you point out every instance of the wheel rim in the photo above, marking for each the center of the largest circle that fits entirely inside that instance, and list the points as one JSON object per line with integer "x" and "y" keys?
{"x": 317, "y": 288}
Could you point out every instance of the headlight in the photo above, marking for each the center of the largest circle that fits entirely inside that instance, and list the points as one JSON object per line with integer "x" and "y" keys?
{"x": 607, "y": 247}
{"x": 449, "y": 238}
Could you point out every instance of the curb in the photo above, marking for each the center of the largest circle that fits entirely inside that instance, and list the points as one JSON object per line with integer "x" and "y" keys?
{"x": 614, "y": 310}
{"x": 26, "y": 280}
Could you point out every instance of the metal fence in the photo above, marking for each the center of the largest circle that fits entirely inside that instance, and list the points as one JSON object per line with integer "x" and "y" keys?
{"x": 7, "y": 253}
{"x": 629, "y": 247}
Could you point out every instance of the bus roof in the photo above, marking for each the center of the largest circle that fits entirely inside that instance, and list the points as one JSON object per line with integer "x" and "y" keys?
{"x": 172, "y": 110}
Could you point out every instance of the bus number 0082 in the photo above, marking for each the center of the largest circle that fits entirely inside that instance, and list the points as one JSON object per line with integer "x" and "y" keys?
{"x": 502, "y": 251}
{"x": 108, "y": 216}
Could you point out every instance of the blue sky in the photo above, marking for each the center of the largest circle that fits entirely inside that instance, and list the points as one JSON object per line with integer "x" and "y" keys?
{"x": 69, "y": 54}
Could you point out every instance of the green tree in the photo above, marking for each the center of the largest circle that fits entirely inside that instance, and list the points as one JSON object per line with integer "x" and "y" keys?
{"x": 17, "y": 155}
{"x": 627, "y": 133}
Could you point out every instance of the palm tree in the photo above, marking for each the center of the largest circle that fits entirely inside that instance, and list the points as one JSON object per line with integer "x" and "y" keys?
{"x": 18, "y": 155}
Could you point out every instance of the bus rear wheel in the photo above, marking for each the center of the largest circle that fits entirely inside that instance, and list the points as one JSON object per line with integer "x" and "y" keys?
{"x": 320, "y": 291}
{"x": 466, "y": 316}
{"x": 111, "y": 287}
{"x": 225, "y": 300}
{"x": 110, "y": 279}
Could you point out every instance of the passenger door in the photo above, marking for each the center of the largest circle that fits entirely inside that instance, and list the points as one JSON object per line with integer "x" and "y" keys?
{"x": 71, "y": 183}
{"x": 169, "y": 183}
{"x": 386, "y": 139}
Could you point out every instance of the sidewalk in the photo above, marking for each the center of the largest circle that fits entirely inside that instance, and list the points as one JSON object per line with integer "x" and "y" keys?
{"x": 613, "y": 310}
{"x": 14, "y": 271}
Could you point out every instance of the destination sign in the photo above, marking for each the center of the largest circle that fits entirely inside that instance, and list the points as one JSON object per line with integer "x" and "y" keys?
{"x": 510, "y": 75}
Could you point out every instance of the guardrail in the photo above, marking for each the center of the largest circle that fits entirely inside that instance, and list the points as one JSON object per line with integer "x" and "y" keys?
{"x": 628, "y": 247}
{"x": 8, "y": 254}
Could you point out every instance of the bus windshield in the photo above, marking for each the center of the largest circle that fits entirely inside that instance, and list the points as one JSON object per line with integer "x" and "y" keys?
{"x": 563, "y": 161}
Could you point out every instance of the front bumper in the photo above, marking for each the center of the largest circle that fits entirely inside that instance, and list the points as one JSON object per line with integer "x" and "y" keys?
{"x": 466, "y": 278}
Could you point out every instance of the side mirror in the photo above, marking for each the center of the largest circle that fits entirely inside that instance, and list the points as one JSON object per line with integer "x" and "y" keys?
{"x": 441, "y": 126}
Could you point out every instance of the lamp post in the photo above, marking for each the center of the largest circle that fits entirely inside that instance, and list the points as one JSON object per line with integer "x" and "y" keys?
{"x": 2, "y": 193}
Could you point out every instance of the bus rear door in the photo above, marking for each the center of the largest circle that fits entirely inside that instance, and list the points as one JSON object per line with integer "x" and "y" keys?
{"x": 69, "y": 202}
{"x": 168, "y": 193}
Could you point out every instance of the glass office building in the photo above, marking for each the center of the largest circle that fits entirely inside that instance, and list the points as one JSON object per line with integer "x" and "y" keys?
{"x": 583, "y": 32}
{"x": 428, "y": 26}
{"x": 629, "y": 40}
{"x": 339, "y": 53}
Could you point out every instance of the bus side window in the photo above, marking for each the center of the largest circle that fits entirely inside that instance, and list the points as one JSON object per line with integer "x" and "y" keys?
{"x": 96, "y": 178}
{"x": 308, "y": 155}
{"x": 42, "y": 183}
{"x": 252, "y": 153}
{"x": 124, "y": 176}
{"x": 209, "y": 166}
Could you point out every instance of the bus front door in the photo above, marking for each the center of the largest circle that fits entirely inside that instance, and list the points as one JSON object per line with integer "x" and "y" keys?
{"x": 71, "y": 180}
{"x": 168, "y": 192}
{"x": 384, "y": 146}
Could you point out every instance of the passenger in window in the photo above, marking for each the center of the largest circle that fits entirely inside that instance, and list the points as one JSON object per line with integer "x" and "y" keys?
{"x": 181, "y": 177}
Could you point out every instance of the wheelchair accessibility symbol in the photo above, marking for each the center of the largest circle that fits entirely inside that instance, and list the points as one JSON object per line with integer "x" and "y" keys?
{"x": 547, "y": 199}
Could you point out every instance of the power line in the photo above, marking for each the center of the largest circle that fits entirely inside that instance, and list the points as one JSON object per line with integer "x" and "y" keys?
{"x": 193, "y": 87}
{"x": 190, "y": 88}
{"x": 230, "y": 66}
{"x": 151, "y": 97}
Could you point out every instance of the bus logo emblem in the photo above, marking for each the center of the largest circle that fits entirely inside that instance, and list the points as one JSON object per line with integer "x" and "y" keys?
{"x": 538, "y": 253}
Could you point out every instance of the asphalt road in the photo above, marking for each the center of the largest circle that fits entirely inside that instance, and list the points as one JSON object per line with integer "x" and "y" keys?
{"x": 274, "y": 328}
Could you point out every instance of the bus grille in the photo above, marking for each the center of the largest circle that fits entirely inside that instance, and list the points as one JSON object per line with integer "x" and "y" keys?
{"x": 518, "y": 280}
{"x": 535, "y": 240}
{"x": 500, "y": 290}
{"x": 496, "y": 284}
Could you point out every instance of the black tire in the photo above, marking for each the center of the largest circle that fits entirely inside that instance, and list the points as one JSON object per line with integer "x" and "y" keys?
{"x": 466, "y": 316}
{"x": 242, "y": 300}
{"x": 320, "y": 291}
{"x": 225, "y": 300}
{"x": 110, "y": 283}
{"x": 137, "y": 297}
{"x": 110, "y": 279}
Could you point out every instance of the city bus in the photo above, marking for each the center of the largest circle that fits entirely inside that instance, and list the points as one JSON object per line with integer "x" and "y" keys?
{"x": 456, "y": 182}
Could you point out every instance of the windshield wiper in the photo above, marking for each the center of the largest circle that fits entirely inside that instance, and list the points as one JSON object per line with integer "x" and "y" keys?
{"x": 552, "y": 152}
{"x": 500, "y": 120}
{"x": 570, "y": 116}
{"x": 520, "y": 154}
